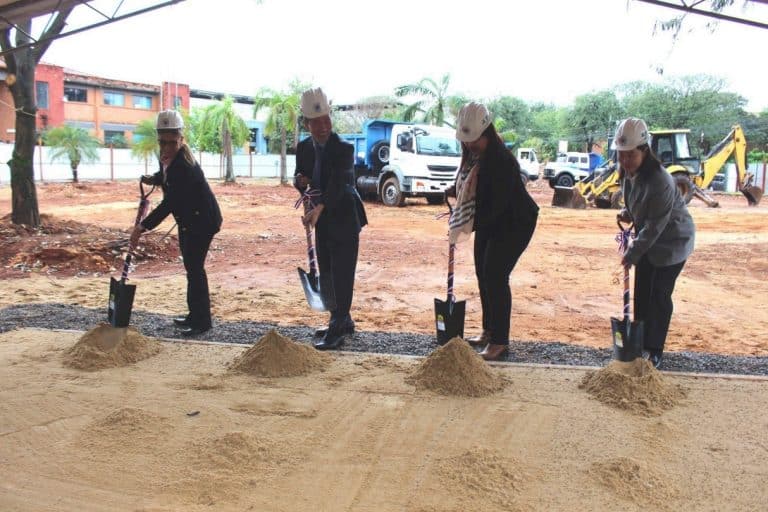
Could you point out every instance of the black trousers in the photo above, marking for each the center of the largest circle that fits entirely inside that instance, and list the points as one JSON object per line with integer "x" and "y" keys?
{"x": 194, "y": 249}
{"x": 337, "y": 262}
{"x": 653, "y": 300}
{"x": 496, "y": 254}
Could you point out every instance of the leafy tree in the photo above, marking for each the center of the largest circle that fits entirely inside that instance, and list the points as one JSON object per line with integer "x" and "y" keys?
{"x": 512, "y": 117}
{"x": 20, "y": 61}
{"x": 145, "y": 144}
{"x": 219, "y": 122}
{"x": 76, "y": 144}
{"x": 594, "y": 115}
{"x": 435, "y": 104}
{"x": 283, "y": 114}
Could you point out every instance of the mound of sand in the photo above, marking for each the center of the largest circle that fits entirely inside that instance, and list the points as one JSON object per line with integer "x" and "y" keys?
{"x": 482, "y": 474}
{"x": 637, "y": 387}
{"x": 456, "y": 369}
{"x": 275, "y": 355}
{"x": 105, "y": 346}
{"x": 634, "y": 480}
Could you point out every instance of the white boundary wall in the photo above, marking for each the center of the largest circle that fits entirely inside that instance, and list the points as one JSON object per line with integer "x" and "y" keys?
{"x": 118, "y": 164}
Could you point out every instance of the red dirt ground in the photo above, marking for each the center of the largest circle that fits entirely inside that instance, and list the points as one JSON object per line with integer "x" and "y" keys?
{"x": 565, "y": 287}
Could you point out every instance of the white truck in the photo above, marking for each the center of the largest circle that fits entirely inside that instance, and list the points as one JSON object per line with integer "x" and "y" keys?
{"x": 395, "y": 160}
{"x": 529, "y": 164}
{"x": 567, "y": 169}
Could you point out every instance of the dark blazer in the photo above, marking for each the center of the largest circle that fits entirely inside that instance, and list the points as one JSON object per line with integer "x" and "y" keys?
{"x": 501, "y": 199}
{"x": 344, "y": 213}
{"x": 188, "y": 197}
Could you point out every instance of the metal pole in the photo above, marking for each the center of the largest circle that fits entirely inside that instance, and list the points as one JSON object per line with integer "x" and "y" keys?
{"x": 111, "y": 162}
{"x": 40, "y": 156}
{"x": 250, "y": 164}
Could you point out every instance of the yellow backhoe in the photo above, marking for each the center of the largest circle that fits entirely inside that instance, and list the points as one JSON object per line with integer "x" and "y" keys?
{"x": 691, "y": 175}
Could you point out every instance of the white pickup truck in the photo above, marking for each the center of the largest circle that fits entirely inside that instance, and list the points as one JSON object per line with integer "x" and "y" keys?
{"x": 567, "y": 169}
{"x": 529, "y": 162}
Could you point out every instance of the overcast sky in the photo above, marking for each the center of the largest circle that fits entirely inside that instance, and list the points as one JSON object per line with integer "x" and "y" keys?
{"x": 539, "y": 50}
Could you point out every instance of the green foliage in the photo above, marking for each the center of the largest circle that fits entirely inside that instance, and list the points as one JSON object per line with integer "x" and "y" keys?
{"x": 436, "y": 106}
{"x": 75, "y": 144}
{"x": 594, "y": 116}
{"x": 145, "y": 144}
{"x": 209, "y": 126}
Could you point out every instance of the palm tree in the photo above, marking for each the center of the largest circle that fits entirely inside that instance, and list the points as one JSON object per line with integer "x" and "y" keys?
{"x": 283, "y": 113}
{"x": 145, "y": 144}
{"x": 222, "y": 120}
{"x": 435, "y": 104}
{"x": 74, "y": 143}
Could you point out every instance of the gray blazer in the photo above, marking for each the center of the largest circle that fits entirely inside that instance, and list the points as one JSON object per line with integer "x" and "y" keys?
{"x": 664, "y": 229}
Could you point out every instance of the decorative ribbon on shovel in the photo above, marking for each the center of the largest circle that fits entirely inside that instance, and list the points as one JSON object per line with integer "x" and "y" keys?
{"x": 627, "y": 335}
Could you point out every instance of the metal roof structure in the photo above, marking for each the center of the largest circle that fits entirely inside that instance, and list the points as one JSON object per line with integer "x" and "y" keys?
{"x": 695, "y": 7}
{"x": 13, "y": 13}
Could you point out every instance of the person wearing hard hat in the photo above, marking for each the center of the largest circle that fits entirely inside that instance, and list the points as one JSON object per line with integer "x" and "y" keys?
{"x": 325, "y": 171}
{"x": 188, "y": 197}
{"x": 492, "y": 201}
{"x": 664, "y": 232}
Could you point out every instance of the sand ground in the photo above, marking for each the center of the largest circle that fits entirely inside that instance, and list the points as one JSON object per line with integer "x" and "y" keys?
{"x": 178, "y": 431}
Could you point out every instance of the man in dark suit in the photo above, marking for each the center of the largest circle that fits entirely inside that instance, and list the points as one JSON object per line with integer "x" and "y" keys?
{"x": 325, "y": 164}
{"x": 188, "y": 197}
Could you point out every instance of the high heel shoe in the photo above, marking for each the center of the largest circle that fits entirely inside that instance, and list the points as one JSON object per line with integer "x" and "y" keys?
{"x": 493, "y": 352}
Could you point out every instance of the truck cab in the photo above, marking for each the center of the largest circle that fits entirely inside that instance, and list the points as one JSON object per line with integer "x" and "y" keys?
{"x": 529, "y": 164}
{"x": 396, "y": 160}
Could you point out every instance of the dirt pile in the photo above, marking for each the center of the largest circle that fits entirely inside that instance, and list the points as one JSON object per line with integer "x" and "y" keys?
{"x": 635, "y": 481}
{"x": 108, "y": 347}
{"x": 482, "y": 474}
{"x": 637, "y": 387}
{"x": 275, "y": 355}
{"x": 456, "y": 369}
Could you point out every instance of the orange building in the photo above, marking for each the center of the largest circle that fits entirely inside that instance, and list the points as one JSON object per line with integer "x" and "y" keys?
{"x": 108, "y": 109}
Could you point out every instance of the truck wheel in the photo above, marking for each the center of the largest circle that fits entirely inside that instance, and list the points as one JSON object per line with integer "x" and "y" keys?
{"x": 435, "y": 199}
{"x": 380, "y": 155}
{"x": 524, "y": 178}
{"x": 564, "y": 180}
{"x": 391, "y": 194}
{"x": 683, "y": 183}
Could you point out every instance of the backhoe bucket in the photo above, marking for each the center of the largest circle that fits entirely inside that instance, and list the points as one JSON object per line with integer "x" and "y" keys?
{"x": 568, "y": 197}
{"x": 753, "y": 194}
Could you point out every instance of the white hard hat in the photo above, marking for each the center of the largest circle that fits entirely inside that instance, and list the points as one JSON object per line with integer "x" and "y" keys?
{"x": 314, "y": 104}
{"x": 631, "y": 133}
{"x": 472, "y": 121}
{"x": 169, "y": 120}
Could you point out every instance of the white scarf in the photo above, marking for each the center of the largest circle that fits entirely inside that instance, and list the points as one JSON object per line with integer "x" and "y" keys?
{"x": 463, "y": 216}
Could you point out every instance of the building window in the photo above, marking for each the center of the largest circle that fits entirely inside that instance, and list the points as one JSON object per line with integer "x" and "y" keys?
{"x": 114, "y": 138}
{"x": 41, "y": 94}
{"x": 115, "y": 99}
{"x": 140, "y": 101}
{"x": 177, "y": 102}
{"x": 76, "y": 94}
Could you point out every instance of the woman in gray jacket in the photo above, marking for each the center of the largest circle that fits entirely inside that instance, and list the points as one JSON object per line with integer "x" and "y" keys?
{"x": 664, "y": 232}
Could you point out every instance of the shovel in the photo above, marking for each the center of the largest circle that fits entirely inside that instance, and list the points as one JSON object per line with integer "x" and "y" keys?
{"x": 449, "y": 314}
{"x": 121, "y": 294}
{"x": 319, "y": 298}
{"x": 627, "y": 335}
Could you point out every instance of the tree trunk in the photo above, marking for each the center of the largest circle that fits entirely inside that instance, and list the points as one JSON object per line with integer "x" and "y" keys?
{"x": 283, "y": 160}
{"x": 226, "y": 139}
{"x": 23, "y": 192}
{"x": 74, "y": 172}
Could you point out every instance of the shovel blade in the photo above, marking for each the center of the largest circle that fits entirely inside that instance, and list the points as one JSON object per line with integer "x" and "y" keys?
{"x": 627, "y": 339}
{"x": 120, "y": 302}
{"x": 319, "y": 298}
{"x": 568, "y": 197}
{"x": 449, "y": 320}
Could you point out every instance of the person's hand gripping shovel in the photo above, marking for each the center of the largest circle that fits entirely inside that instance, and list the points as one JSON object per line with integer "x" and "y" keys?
{"x": 319, "y": 298}
{"x": 121, "y": 294}
{"x": 449, "y": 314}
{"x": 627, "y": 335}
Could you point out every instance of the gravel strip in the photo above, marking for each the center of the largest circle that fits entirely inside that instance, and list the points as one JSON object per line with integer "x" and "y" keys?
{"x": 65, "y": 316}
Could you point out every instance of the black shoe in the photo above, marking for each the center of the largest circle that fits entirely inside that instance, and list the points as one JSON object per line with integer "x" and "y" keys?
{"x": 349, "y": 328}
{"x": 182, "y": 321}
{"x": 654, "y": 356}
{"x": 194, "y": 331}
{"x": 331, "y": 341}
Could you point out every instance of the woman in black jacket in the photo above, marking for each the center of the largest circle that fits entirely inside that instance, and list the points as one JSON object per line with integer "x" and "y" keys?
{"x": 493, "y": 202}
{"x": 187, "y": 196}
